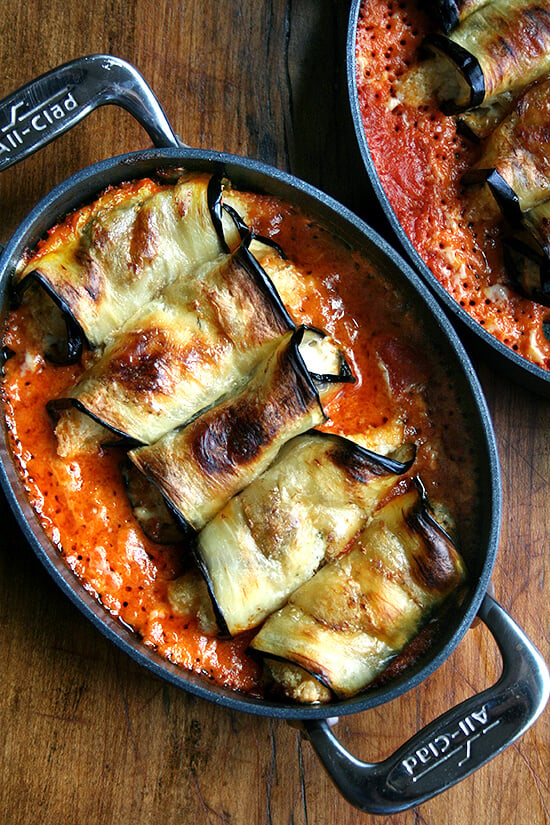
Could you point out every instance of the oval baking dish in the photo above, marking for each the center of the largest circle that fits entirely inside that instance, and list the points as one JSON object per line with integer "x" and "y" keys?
{"x": 502, "y": 712}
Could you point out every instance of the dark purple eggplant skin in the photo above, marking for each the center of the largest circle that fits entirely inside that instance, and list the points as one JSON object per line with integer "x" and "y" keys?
{"x": 448, "y": 14}
{"x": 467, "y": 64}
{"x": 506, "y": 198}
{"x": 518, "y": 255}
{"x": 76, "y": 341}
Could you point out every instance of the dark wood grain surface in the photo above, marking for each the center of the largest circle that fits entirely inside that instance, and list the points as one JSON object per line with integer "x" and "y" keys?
{"x": 87, "y": 736}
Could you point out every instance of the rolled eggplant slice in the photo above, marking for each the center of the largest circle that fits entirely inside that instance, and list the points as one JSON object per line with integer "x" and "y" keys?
{"x": 519, "y": 150}
{"x": 111, "y": 258}
{"x": 303, "y": 510}
{"x": 355, "y": 614}
{"x": 515, "y": 166}
{"x": 199, "y": 467}
{"x": 197, "y": 342}
{"x": 499, "y": 48}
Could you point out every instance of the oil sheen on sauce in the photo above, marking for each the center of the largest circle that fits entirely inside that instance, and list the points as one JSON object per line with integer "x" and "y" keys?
{"x": 82, "y": 502}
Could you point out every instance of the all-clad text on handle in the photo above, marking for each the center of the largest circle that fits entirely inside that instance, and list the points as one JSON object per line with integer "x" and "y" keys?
{"x": 455, "y": 744}
{"x": 47, "y": 107}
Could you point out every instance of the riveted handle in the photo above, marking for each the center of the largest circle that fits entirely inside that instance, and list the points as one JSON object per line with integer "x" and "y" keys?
{"x": 454, "y": 745}
{"x": 49, "y": 106}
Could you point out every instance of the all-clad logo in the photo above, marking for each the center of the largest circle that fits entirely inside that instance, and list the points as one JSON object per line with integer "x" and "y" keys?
{"x": 25, "y": 124}
{"x": 457, "y": 742}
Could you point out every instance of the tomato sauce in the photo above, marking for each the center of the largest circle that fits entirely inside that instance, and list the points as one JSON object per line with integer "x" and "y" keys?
{"x": 402, "y": 392}
{"x": 420, "y": 158}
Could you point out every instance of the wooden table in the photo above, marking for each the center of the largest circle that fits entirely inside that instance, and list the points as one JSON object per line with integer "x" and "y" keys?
{"x": 89, "y": 737}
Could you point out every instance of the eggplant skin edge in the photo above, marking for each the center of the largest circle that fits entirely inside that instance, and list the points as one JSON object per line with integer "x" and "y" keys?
{"x": 467, "y": 64}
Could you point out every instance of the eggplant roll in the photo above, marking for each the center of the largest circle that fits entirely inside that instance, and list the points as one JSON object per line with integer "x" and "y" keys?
{"x": 149, "y": 507}
{"x": 356, "y": 613}
{"x": 197, "y": 342}
{"x": 199, "y": 467}
{"x": 302, "y": 511}
{"x": 519, "y": 150}
{"x": 116, "y": 255}
{"x": 500, "y": 48}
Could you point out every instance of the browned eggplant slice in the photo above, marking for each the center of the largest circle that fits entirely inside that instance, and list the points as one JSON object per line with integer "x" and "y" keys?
{"x": 501, "y": 47}
{"x": 199, "y": 467}
{"x": 303, "y": 510}
{"x": 519, "y": 150}
{"x": 122, "y": 251}
{"x": 195, "y": 343}
{"x": 477, "y": 124}
{"x": 356, "y": 613}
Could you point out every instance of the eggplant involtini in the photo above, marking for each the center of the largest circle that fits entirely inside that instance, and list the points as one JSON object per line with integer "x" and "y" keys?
{"x": 498, "y": 49}
{"x": 217, "y": 368}
{"x": 199, "y": 467}
{"x": 354, "y": 615}
{"x": 119, "y": 253}
{"x": 519, "y": 149}
{"x": 196, "y": 342}
{"x": 302, "y": 511}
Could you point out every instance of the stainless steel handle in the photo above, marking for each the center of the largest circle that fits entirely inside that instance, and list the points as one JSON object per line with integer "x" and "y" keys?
{"x": 47, "y": 107}
{"x": 454, "y": 745}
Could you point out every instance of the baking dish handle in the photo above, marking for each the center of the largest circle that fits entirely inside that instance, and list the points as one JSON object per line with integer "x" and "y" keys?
{"x": 47, "y": 107}
{"x": 454, "y": 745}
